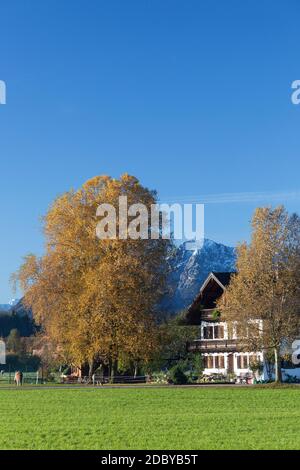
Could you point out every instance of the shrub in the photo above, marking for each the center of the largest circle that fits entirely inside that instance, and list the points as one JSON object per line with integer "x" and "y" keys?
{"x": 198, "y": 365}
{"x": 159, "y": 377}
{"x": 177, "y": 375}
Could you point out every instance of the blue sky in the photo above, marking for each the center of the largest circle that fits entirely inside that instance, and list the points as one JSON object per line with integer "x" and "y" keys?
{"x": 192, "y": 97}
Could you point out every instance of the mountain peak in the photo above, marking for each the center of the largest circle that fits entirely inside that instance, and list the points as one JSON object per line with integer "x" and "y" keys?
{"x": 189, "y": 270}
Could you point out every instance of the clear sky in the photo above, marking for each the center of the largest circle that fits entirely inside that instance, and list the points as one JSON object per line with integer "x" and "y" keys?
{"x": 191, "y": 96}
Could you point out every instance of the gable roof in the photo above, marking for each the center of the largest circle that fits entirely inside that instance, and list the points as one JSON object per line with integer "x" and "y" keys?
{"x": 217, "y": 282}
{"x": 221, "y": 278}
{"x": 224, "y": 278}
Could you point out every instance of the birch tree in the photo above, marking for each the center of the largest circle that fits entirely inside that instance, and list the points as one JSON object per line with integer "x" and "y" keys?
{"x": 263, "y": 298}
{"x": 95, "y": 298}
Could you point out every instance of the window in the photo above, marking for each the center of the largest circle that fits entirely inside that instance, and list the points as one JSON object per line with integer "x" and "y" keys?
{"x": 242, "y": 361}
{"x": 208, "y": 332}
{"x": 221, "y": 362}
{"x": 219, "y": 331}
{"x": 240, "y": 331}
{"x": 213, "y": 332}
{"x": 214, "y": 362}
{"x": 210, "y": 362}
{"x": 252, "y": 329}
{"x": 230, "y": 331}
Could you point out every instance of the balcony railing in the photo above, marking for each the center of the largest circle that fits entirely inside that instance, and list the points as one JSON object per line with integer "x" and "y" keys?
{"x": 214, "y": 345}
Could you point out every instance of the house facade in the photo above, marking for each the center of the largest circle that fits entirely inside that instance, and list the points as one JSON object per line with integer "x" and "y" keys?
{"x": 219, "y": 342}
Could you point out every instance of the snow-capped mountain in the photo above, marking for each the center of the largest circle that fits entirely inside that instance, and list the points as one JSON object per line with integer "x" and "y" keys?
{"x": 189, "y": 269}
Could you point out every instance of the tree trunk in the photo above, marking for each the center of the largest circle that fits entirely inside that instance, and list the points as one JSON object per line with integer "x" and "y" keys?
{"x": 136, "y": 369}
{"x": 278, "y": 374}
{"x": 113, "y": 368}
{"x": 91, "y": 369}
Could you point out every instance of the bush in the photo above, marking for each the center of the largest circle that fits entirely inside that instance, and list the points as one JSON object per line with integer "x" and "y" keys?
{"x": 177, "y": 375}
{"x": 159, "y": 377}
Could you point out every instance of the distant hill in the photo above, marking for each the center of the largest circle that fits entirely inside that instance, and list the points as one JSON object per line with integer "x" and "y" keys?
{"x": 19, "y": 310}
{"x": 9, "y": 306}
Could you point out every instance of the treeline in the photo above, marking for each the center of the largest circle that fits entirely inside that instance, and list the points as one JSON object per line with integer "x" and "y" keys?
{"x": 23, "y": 362}
{"x": 10, "y": 321}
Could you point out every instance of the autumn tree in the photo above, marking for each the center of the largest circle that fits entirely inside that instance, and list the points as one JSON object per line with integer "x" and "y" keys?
{"x": 264, "y": 296}
{"x": 96, "y": 299}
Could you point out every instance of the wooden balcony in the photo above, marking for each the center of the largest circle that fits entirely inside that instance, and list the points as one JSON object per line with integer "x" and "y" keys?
{"x": 213, "y": 345}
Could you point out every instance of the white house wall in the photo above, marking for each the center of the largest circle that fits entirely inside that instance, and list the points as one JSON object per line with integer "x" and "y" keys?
{"x": 237, "y": 371}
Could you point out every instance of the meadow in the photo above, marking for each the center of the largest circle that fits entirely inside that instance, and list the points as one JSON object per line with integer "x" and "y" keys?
{"x": 150, "y": 418}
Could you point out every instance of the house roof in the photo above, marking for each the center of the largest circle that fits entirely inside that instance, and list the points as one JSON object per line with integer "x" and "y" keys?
{"x": 224, "y": 278}
{"x": 212, "y": 288}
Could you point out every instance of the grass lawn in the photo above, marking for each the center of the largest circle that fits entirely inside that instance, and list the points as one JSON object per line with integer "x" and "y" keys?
{"x": 151, "y": 418}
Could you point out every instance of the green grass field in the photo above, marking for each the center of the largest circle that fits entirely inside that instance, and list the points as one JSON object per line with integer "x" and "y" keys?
{"x": 151, "y": 418}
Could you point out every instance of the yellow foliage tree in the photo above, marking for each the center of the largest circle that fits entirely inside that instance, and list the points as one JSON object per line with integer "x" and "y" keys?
{"x": 96, "y": 299}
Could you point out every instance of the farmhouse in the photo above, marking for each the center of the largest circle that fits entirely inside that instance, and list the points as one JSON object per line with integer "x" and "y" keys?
{"x": 219, "y": 343}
